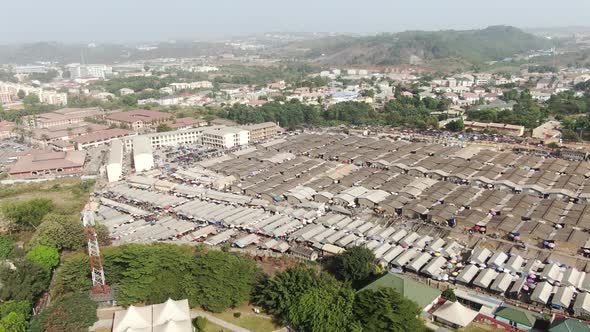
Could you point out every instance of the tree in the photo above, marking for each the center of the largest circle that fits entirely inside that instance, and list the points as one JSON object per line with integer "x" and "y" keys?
{"x": 13, "y": 322}
{"x": 27, "y": 281}
{"x": 149, "y": 274}
{"x": 323, "y": 309}
{"x": 6, "y": 247}
{"x": 21, "y": 94}
{"x": 31, "y": 99}
{"x": 44, "y": 256}
{"x": 455, "y": 125}
{"x": 355, "y": 265}
{"x": 72, "y": 276}
{"x": 200, "y": 324}
{"x": 60, "y": 232}
{"x": 27, "y": 214}
{"x": 222, "y": 280}
{"x": 60, "y": 315}
{"x": 163, "y": 127}
{"x": 386, "y": 310}
{"x": 300, "y": 295}
{"x": 20, "y": 307}
{"x": 449, "y": 295}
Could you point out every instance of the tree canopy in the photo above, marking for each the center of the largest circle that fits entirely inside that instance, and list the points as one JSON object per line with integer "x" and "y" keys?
{"x": 355, "y": 265}
{"x": 44, "y": 256}
{"x": 60, "y": 232}
{"x": 27, "y": 281}
{"x": 27, "y": 214}
{"x": 387, "y": 310}
{"x": 72, "y": 312}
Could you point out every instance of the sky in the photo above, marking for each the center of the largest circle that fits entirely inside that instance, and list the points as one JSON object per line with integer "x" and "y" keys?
{"x": 150, "y": 20}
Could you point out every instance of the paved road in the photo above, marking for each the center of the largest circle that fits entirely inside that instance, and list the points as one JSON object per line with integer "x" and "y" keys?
{"x": 220, "y": 322}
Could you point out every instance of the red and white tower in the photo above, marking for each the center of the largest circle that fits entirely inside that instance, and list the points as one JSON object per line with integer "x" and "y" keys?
{"x": 99, "y": 285}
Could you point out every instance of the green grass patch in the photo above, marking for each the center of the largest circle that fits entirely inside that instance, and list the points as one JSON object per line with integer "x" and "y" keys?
{"x": 250, "y": 321}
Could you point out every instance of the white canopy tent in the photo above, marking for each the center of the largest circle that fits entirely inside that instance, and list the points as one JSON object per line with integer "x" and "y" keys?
{"x": 455, "y": 314}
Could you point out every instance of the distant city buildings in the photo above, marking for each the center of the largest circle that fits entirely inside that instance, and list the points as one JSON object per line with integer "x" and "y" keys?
{"x": 78, "y": 71}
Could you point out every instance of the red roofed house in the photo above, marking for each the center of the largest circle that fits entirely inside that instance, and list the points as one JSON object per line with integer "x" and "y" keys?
{"x": 52, "y": 163}
{"x": 139, "y": 119}
{"x": 452, "y": 96}
{"x": 470, "y": 97}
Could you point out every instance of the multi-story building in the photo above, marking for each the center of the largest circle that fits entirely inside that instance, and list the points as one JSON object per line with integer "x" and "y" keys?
{"x": 143, "y": 156}
{"x": 503, "y": 128}
{"x": 62, "y": 117}
{"x": 226, "y": 138}
{"x": 7, "y": 129}
{"x": 53, "y": 98}
{"x": 89, "y": 71}
{"x": 139, "y": 119}
{"x": 100, "y": 138}
{"x": 262, "y": 131}
{"x": 30, "y": 69}
{"x": 115, "y": 161}
{"x": 173, "y": 138}
{"x": 5, "y": 97}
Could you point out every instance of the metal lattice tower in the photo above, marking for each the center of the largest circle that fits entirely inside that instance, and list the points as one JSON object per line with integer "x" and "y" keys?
{"x": 99, "y": 285}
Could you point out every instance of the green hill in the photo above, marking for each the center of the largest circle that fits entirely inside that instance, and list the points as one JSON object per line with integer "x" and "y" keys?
{"x": 472, "y": 46}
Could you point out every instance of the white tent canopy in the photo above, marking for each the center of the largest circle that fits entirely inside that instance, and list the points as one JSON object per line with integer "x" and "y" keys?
{"x": 173, "y": 316}
{"x": 455, "y": 313}
{"x": 136, "y": 318}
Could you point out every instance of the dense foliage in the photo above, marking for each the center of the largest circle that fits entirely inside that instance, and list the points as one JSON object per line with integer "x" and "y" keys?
{"x": 72, "y": 312}
{"x": 221, "y": 280}
{"x": 152, "y": 274}
{"x": 6, "y": 246}
{"x": 44, "y": 256}
{"x": 473, "y": 46}
{"x": 526, "y": 113}
{"x": 27, "y": 214}
{"x": 402, "y": 112}
{"x": 356, "y": 265}
{"x": 449, "y": 295}
{"x": 27, "y": 281}
{"x": 310, "y": 300}
{"x": 387, "y": 310}
{"x": 14, "y": 316}
{"x": 60, "y": 232}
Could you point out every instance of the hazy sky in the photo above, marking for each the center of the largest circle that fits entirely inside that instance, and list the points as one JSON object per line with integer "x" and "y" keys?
{"x": 130, "y": 20}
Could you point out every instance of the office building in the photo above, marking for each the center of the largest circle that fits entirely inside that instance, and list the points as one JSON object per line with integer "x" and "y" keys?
{"x": 226, "y": 137}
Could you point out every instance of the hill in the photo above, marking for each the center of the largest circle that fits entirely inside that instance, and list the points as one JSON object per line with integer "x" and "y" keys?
{"x": 417, "y": 47}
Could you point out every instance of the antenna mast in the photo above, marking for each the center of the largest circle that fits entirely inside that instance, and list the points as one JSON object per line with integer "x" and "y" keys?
{"x": 99, "y": 285}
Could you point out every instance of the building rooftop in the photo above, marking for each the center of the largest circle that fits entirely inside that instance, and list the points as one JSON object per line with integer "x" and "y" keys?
{"x": 102, "y": 135}
{"x": 418, "y": 292}
{"x": 46, "y": 161}
{"x": 139, "y": 115}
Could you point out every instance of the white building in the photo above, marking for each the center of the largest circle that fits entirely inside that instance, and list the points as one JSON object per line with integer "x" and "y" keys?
{"x": 53, "y": 98}
{"x": 174, "y": 138}
{"x": 89, "y": 71}
{"x": 226, "y": 137}
{"x": 115, "y": 161}
{"x": 143, "y": 155}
